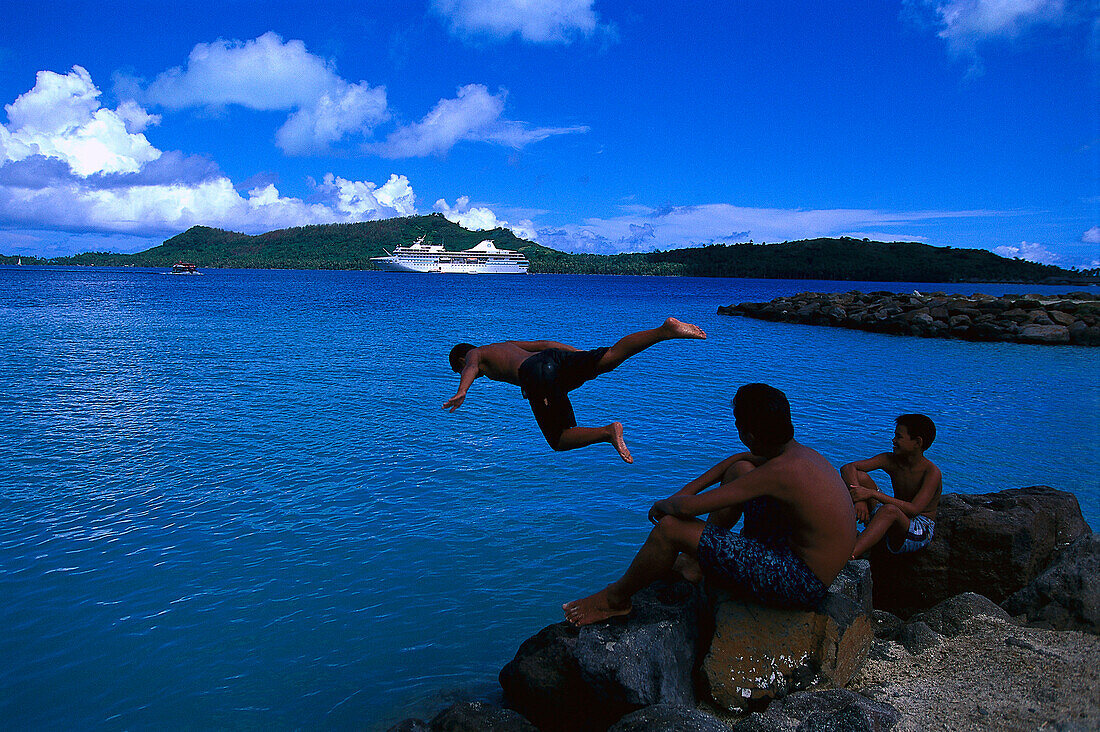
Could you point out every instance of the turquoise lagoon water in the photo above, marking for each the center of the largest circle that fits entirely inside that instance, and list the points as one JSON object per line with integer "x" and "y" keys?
{"x": 234, "y": 501}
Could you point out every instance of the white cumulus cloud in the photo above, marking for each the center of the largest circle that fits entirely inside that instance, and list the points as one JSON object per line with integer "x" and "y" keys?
{"x": 482, "y": 218}
{"x": 1092, "y": 236}
{"x": 1029, "y": 251}
{"x": 536, "y": 21}
{"x": 473, "y": 115}
{"x": 67, "y": 163}
{"x": 270, "y": 74}
{"x": 61, "y": 118}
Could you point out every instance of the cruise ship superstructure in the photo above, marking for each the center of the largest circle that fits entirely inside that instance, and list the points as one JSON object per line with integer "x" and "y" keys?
{"x": 484, "y": 258}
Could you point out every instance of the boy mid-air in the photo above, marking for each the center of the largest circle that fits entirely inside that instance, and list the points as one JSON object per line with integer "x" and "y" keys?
{"x": 908, "y": 518}
{"x": 547, "y": 371}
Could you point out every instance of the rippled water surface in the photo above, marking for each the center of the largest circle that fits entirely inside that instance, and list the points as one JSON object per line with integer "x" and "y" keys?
{"x": 235, "y": 501}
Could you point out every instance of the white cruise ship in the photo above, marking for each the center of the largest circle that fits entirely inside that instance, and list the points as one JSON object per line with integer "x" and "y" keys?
{"x": 485, "y": 258}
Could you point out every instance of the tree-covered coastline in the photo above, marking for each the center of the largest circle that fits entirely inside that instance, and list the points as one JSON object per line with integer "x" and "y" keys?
{"x": 351, "y": 246}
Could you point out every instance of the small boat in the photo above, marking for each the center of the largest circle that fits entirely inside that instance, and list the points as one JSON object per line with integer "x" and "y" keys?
{"x": 184, "y": 268}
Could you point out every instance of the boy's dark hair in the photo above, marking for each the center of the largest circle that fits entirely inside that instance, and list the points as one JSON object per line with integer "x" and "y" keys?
{"x": 457, "y": 354}
{"x": 765, "y": 412}
{"x": 918, "y": 425}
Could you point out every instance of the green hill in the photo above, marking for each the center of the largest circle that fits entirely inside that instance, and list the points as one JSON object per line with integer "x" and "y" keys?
{"x": 350, "y": 246}
{"x": 325, "y": 246}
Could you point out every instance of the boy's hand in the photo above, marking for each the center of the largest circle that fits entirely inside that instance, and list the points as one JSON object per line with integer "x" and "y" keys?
{"x": 863, "y": 512}
{"x": 658, "y": 512}
{"x": 859, "y": 493}
{"x": 454, "y": 402}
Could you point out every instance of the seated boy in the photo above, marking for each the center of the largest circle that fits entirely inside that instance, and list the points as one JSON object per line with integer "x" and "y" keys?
{"x": 799, "y": 522}
{"x": 908, "y": 518}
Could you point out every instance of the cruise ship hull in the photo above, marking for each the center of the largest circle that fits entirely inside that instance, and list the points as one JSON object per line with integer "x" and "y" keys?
{"x": 481, "y": 259}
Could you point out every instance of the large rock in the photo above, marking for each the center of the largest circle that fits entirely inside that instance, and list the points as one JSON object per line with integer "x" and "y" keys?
{"x": 571, "y": 679}
{"x": 669, "y": 718}
{"x": 1067, "y": 595}
{"x": 992, "y": 544}
{"x": 829, "y": 710}
{"x": 478, "y": 716}
{"x": 758, "y": 653}
{"x": 952, "y": 616}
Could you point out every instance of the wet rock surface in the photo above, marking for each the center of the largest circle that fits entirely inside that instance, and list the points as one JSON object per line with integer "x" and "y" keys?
{"x": 1071, "y": 319}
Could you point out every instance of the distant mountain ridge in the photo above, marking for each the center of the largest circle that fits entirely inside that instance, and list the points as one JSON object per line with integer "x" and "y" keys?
{"x": 351, "y": 246}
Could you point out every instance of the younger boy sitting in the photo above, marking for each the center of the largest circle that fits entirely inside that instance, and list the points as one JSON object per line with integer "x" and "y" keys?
{"x": 908, "y": 518}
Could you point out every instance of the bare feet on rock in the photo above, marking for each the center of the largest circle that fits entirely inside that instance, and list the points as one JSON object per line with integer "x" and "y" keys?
{"x": 679, "y": 329}
{"x": 619, "y": 443}
{"x": 593, "y": 609}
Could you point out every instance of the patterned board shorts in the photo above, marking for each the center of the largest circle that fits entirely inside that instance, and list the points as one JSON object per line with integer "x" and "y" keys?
{"x": 771, "y": 574}
{"x": 921, "y": 529}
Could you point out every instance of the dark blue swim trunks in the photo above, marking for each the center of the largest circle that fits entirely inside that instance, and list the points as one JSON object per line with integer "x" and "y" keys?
{"x": 771, "y": 574}
{"x": 546, "y": 379}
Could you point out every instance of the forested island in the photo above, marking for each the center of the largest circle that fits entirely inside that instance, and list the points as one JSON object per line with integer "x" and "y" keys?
{"x": 351, "y": 246}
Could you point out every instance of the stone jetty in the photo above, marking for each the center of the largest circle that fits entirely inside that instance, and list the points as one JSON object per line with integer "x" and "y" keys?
{"x": 995, "y": 626}
{"x": 1071, "y": 319}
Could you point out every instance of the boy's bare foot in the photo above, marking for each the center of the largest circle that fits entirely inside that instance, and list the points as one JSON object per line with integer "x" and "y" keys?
{"x": 679, "y": 329}
{"x": 619, "y": 443}
{"x": 688, "y": 567}
{"x": 592, "y": 609}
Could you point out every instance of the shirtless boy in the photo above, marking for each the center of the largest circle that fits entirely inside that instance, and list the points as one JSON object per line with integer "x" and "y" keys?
{"x": 908, "y": 518}
{"x": 799, "y": 523}
{"x": 547, "y": 371}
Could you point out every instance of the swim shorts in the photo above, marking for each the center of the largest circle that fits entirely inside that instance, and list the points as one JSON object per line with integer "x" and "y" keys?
{"x": 546, "y": 379}
{"x": 917, "y": 537}
{"x": 771, "y": 574}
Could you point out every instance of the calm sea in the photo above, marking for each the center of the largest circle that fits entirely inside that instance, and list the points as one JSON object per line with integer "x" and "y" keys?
{"x": 234, "y": 501}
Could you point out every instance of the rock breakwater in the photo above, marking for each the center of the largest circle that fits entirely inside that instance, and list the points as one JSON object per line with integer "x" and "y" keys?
{"x": 1071, "y": 319}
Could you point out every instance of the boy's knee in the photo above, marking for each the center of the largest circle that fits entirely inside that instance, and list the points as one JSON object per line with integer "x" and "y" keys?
{"x": 892, "y": 512}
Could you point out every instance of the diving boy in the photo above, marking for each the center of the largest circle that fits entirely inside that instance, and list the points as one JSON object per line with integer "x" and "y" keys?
{"x": 908, "y": 518}
{"x": 547, "y": 371}
{"x": 799, "y": 523}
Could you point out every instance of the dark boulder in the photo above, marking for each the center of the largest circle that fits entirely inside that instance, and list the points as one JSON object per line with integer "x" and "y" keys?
{"x": 950, "y": 617}
{"x": 1067, "y": 595}
{"x": 573, "y": 679}
{"x": 478, "y": 716}
{"x": 669, "y": 718}
{"x": 830, "y": 710}
{"x": 992, "y": 544}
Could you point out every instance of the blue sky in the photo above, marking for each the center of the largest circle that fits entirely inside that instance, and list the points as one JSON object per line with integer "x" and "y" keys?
{"x": 582, "y": 124}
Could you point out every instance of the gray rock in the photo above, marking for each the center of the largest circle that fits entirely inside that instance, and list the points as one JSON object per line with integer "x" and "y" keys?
{"x": 669, "y": 718}
{"x": 1043, "y": 334}
{"x": 951, "y": 616}
{"x": 830, "y": 710}
{"x": 476, "y": 716}
{"x": 993, "y": 544}
{"x": 887, "y": 625}
{"x": 918, "y": 637}
{"x": 565, "y": 678}
{"x": 1067, "y": 595}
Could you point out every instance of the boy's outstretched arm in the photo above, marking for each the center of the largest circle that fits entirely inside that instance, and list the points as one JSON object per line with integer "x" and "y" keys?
{"x": 849, "y": 473}
{"x": 715, "y": 474}
{"x": 930, "y": 486}
{"x": 470, "y": 371}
